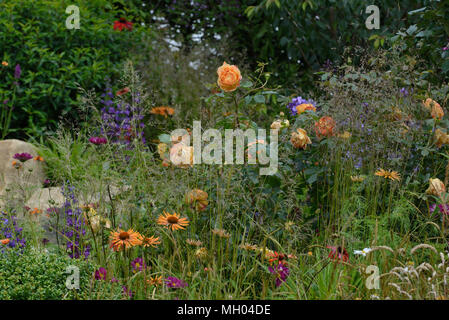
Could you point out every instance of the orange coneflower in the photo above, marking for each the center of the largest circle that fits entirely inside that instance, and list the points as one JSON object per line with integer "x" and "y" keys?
{"x": 4, "y": 241}
{"x": 392, "y": 175}
{"x": 172, "y": 221}
{"x": 155, "y": 281}
{"x": 5, "y": 64}
{"x": 125, "y": 239}
{"x": 163, "y": 111}
{"x": 151, "y": 241}
{"x": 38, "y": 158}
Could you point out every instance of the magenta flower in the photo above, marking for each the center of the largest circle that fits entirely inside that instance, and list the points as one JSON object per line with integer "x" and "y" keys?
{"x": 444, "y": 208}
{"x": 281, "y": 271}
{"x": 172, "y": 282}
{"x": 100, "y": 274}
{"x": 98, "y": 140}
{"x": 22, "y": 157}
{"x": 127, "y": 292}
{"x": 138, "y": 264}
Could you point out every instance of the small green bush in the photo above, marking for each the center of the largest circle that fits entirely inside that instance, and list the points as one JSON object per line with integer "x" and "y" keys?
{"x": 36, "y": 275}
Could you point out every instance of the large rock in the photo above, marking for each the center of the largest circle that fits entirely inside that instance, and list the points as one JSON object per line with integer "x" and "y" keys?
{"x": 31, "y": 174}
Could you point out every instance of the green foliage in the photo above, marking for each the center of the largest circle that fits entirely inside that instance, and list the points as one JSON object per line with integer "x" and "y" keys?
{"x": 36, "y": 275}
{"x": 55, "y": 60}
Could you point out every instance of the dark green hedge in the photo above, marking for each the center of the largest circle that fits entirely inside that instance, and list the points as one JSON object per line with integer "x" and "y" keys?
{"x": 55, "y": 60}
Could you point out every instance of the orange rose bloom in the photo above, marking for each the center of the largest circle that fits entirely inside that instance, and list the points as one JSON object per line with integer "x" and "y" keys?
{"x": 303, "y": 107}
{"x": 300, "y": 139}
{"x": 324, "y": 127}
{"x": 434, "y": 107}
{"x": 228, "y": 77}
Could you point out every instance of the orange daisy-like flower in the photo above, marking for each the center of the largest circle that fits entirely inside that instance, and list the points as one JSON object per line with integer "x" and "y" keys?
{"x": 172, "y": 221}
{"x": 124, "y": 239}
{"x": 392, "y": 175}
{"x": 4, "y": 241}
{"x": 151, "y": 241}
{"x": 38, "y": 158}
{"x": 163, "y": 111}
{"x": 5, "y": 64}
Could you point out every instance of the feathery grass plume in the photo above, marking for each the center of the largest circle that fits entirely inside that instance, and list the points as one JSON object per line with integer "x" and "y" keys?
{"x": 423, "y": 246}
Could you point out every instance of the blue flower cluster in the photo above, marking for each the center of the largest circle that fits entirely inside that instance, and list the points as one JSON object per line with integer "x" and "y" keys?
{"x": 122, "y": 122}
{"x": 74, "y": 228}
{"x": 10, "y": 230}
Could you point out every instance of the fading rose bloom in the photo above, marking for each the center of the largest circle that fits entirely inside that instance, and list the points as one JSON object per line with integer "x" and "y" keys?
{"x": 300, "y": 139}
{"x": 279, "y": 124}
{"x": 181, "y": 155}
{"x": 345, "y": 135}
{"x": 440, "y": 138}
{"x": 303, "y": 107}
{"x": 325, "y": 127}
{"x": 435, "y": 109}
{"x": 436, "y": 187}
{"x": 198, "y": 199}
{"x": 229, "y": 77}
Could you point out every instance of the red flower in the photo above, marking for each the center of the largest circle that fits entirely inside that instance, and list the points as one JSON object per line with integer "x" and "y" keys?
{"x": 122, "y": 91}
{"x": 122, "y": 23}
{"x": 338, "y": 254}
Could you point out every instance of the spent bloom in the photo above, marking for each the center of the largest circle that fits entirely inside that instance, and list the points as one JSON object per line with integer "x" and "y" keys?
{"x": 436, "y": 187}
{"x": 299, "y": 139}
{"x": 197, "y": 198}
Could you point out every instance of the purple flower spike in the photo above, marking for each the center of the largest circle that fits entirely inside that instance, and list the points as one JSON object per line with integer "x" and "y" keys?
{"x": 22, "y": 157}
{"x": 17, "y": 71}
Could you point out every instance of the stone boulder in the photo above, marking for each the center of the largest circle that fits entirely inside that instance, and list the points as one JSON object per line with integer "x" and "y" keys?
{"x": 32, "y": 173}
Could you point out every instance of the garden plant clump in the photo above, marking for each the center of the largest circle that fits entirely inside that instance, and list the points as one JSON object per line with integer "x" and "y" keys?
{"x": 141, "y": 203}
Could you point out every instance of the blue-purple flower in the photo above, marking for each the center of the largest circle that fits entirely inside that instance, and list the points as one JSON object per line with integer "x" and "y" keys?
{"x": 17, "y": 71}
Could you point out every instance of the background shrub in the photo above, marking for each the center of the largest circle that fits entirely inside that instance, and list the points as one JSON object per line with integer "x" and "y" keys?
{"x": 55, "y": 60}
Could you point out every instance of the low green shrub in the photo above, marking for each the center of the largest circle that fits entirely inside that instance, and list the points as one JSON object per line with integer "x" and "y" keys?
{"x": 36, "y": 275}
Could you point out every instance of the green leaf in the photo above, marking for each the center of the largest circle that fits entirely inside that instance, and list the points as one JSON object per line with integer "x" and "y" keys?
{"x": 259, "y": 98}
